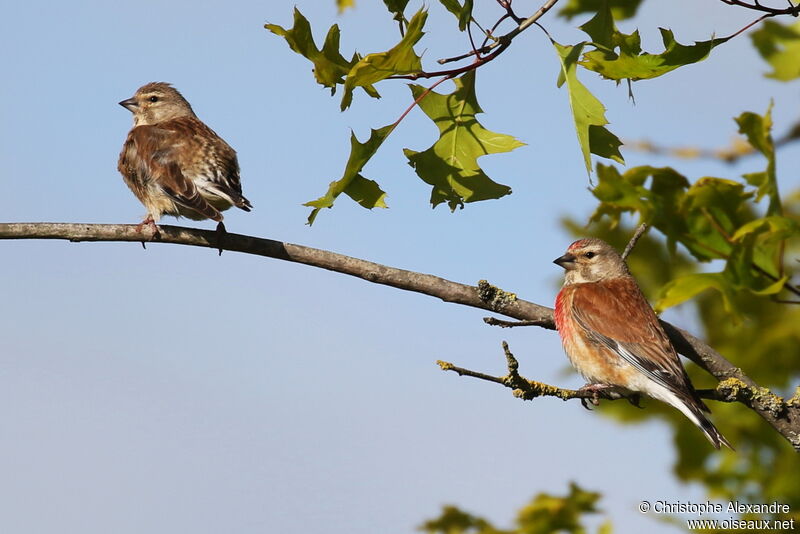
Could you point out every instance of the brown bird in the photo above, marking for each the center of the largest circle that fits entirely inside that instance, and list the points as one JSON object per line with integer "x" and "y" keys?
{"x": 174, "y": 163}
{"x": 613, "y": 338}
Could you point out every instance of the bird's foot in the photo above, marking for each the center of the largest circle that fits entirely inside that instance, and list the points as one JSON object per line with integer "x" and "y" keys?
{"x": 595, "y": 390}
{"x": 635, "y": 399}
{"x": 155, "y": 234}
{"x": 221, "y": 233}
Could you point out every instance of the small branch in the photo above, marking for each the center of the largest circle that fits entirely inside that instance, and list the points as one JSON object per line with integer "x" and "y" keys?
{"x": 632, "y": 243}
{"x": 493, "y": 321}
{"x": 499, "y": 47}
{"x": 728, "y": 390}
{"x": 529, "y": 389}
{"x": 731, "y": 154}
{"x": 770, "y": 11}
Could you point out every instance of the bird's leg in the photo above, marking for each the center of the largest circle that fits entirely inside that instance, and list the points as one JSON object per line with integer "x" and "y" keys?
{"x": 151, "y": 223}
{"x": 595, "y": 390}
{"x": 220, "y": 236}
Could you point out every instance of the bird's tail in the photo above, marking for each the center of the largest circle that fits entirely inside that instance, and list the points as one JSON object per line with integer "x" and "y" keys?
{"x": 694, "y": 411}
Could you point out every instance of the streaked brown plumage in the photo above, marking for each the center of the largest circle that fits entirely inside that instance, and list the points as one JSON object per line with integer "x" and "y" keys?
{"x": 613, "y": 338}
{"x": 175, "y": 164}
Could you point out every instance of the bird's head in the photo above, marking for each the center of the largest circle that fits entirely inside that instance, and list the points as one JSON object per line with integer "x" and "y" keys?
{"x": 157, "y": 102}
{"x": 591, "y": 260}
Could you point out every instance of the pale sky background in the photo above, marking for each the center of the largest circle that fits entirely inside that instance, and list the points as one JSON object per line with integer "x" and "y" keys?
{"x": 170, "y": 390}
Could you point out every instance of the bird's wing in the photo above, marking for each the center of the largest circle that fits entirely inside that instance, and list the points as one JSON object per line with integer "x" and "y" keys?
{"x": 163, "y": 152}
{"x": 220, "y": 175}
{"x": 615, "y": 314}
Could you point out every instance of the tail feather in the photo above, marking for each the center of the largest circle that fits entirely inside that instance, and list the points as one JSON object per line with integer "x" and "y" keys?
{"x": 692, "y": 407}
{"x": 694, "y": 411}
{"x": 714, "y": 436}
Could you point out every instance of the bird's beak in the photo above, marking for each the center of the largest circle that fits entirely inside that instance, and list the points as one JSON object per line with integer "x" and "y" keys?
{"x": 129, "y": 104}
{"x": 567, "y": 261}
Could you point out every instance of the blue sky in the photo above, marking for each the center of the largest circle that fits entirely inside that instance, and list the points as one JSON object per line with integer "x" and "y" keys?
{"x": 170, "y": 390}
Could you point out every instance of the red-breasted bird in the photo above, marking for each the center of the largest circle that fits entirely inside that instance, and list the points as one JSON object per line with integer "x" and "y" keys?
{"x": 175, "y": 164}
{"x": 613, "y": 338}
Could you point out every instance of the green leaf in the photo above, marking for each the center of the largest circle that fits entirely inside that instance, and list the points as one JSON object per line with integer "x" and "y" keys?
{"x": 760, "y": 243}
{"x": 657, "y": 205}
{"x": 545, "y": 513}
{"x": 618, "y": 56}
{"x": 330, "y": 67}
{"x": 779, "y": 45}
{"x": 587, "y": 111}
{"x": 396, "y": 8}
{"x": 344, "y": 4}
{"x": 713, "y": 208}
{"x": 774, "y": 228}
{"x": 622, "y": 9}
{"x": 758, "y": 129}
{"x": 462, "y": 12}
{"x": 685, "y": 287}
{"x": 740, "y": 267}
{"x": 451, "y": 165}
{"x": 364, "y": 191}
{"x": 400, "y": 59}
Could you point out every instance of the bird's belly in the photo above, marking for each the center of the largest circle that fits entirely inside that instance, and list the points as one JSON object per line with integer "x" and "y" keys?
{"x": 153, "y": 197}
{"x": 597, "y": 364}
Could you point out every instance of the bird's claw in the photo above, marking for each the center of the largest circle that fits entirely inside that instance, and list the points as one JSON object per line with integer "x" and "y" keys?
{"x": 150, "y": 223}
{"x": 635, "y": 399}
{"x": 221, "y": 232}
{"x": 595, "y": 390}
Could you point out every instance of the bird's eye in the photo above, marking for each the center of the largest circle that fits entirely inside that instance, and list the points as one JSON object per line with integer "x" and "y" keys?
{"x": 153, "y": 99}
{"x": 589, "y": 255}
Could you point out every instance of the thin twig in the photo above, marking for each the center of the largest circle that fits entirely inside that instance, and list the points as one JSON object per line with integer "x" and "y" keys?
{"x": 632, "y": 243}
{"x": 494, "y": 321}
{"x": 499, "y": 47}
{"x": 771, "y": 11}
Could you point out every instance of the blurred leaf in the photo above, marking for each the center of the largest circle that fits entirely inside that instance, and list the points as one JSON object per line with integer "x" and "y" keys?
{"x": 330, "y": 67}
{"x": 686, "y": 287}
{"x": 547, "y": 513}
{"x": 451, "y": 164}
{"x": 779, "y": 45}
{"x": 587, "y": 111}
{"x": 764, "y": 238}
{"x": 658, "y": 205}
{"x": 758, "y": 130}
{"x": 619, "y": 56}
{"x": 462, "y": 12}
{"x": 364, "y": 191}
{"x": 344, "y": 4}
{"x": 775, "y": 227}
{"x": 400, "y": 59}
{"x": 454, "y": 521}
{"x": 544, "y": 514}
{"x": 621, "y": 9}
{"x": 713, "y": 209}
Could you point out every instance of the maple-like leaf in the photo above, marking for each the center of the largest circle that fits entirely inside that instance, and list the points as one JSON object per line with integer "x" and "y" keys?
{"x": 451, "y": 164}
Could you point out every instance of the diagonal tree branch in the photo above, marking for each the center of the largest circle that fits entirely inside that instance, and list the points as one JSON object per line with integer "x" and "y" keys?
{"x": 784, "y": 416}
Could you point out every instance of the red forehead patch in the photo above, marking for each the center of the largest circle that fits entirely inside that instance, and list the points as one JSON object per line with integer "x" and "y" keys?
{"x": 578, "y": 244}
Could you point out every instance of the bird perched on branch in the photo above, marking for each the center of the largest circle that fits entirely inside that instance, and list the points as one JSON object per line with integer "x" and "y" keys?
{"x": 613, "y": 338}
{"x": 174, "y": 163}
